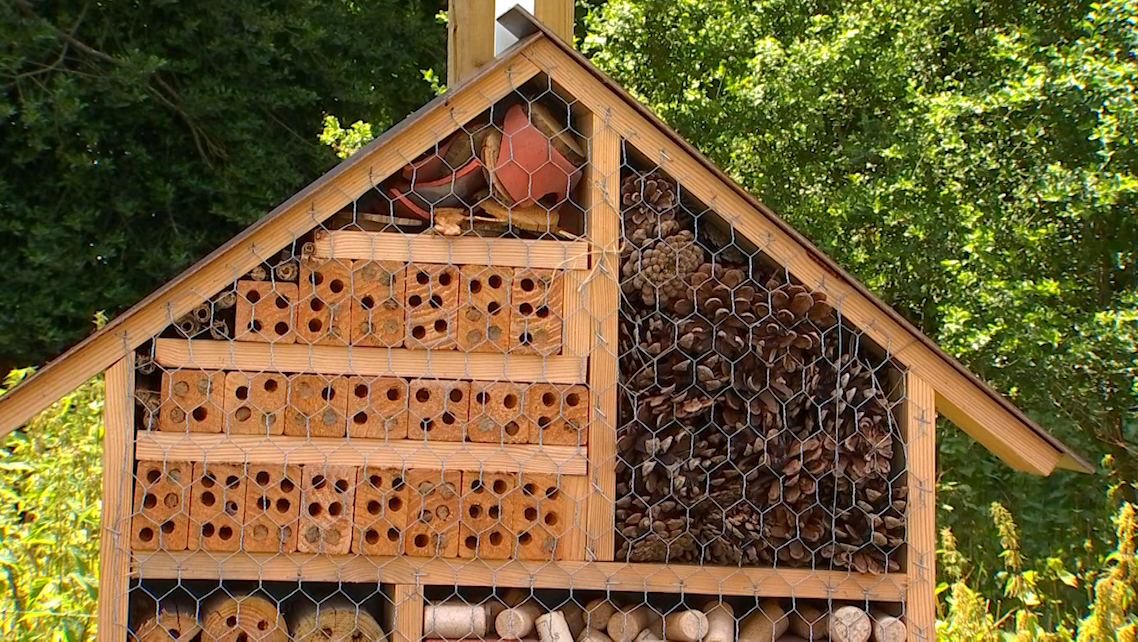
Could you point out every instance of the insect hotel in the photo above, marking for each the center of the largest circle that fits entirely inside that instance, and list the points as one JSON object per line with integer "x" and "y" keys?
{"x": 526, "y": 367}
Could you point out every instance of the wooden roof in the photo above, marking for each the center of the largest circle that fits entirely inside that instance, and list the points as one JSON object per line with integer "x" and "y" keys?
{"x": 960, "y": 395}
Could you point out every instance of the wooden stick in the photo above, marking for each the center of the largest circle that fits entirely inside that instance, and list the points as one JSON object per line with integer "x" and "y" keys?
{"x": 242, "y": 617}
{"x": 597, "y": 614}
{"x": 767, "y": 623}
{"x": 850, "y": 624}
{"x": 624, "y": 626}
{"x": 518, "y": 621}
{"x": 720, "y": 621}
{"x": 809, "y": 622}
{"x": 456, "y": 620}
{"x": 338, "y": 619}
{"x": 685, "y": 626}
{"x": 887, "y": 628}
{"x": 552, "y": 627}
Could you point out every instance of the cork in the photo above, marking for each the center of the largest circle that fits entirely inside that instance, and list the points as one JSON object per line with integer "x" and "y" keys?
{"x": 272, "y": 508}
{"x": 217, "y": 509}
{"x": 192, "y": 401}
{"x": 377, "y": 315}
{"x": 162, "y": 502}
{"x": 317, "y": 405}
{"x": 265, "y": 312}
{"x": 255, "y": 404}
{"x": 850, "y": 624}
{"x": 887, "y": 628}
{"x": 486, "y": 515}
{"x": 767, "y": 623}
{"x": 593, "y": 635}
{"x": 720, "y": 621}
{"x": 323, "y": 313}
{"x": 624, "y": 626}
{"x": 497, "y": 414}
{"x": 559, "y": 414}
{"x": 433, "y": 526}
{"x": 327, "y": 499}
{"x": 518, "y": 621}
{"x": 439, "y": 410}
{"x": 552, "y": 627}
{"x": 242, "y": 618}
{"x": 377, "y": 408}
{"x": 381, "y": 511}
{"x": 540, "y": 514}
{"x": 649, "y": 635}
{"x": 685, "y": 626}
{"x": 809, "y": 622}
{"x": 537, "y": 306}
{"x": 456, "y": 620}
{"x": 431, "y": 300}
{"x": 484, "y": 311}
{"x": 597, "y": 614}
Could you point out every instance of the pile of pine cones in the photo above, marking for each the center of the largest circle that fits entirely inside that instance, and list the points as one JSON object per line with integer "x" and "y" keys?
{"x": 754, "y": 428}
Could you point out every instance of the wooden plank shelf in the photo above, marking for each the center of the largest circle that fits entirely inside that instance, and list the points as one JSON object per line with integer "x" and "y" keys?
{"x": 402, "y": 453}
{"x": 614, "y": 576}
{"x": 359, "y": 360}
{"x": 465, "y": 250}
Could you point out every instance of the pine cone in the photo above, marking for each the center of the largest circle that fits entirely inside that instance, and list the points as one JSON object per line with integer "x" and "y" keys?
{"x": 661, "y": 272}
{"x": 649, "y": 207}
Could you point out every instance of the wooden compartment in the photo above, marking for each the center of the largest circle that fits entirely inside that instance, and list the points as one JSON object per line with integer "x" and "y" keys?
{"x": 484, "y": 312}
{"x": 432, "y": 306}
{"x": 541, "y": 514}
{"x": 559, "y": 414}
{"x": 378, "y": 295}
{"x": 323, "y": 314}
{"x": 255, "y": 404}
{"x": 192, "y": 401}
{"x": 487, "y": 515}
{"x": 439, "y": 409}
{"x": 497, "y": 414}
{"x": 433, "y": 528}
{"x": 381, "y": 512}
{"x": 162, "y": 502}
{"x": 272, "y": 508}
{"x": 327, "y": 500}
{"x": 377, "y": 408}
{"x": 317, "y": 405}
{"x": 537, "y": 299}
{"x": 217, "y": 510}
{"x": 265, "y": 312}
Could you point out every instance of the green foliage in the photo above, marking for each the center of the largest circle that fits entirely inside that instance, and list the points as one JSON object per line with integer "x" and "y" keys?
{"x": 50, "y": 498}
{"x": 138, "y": 136}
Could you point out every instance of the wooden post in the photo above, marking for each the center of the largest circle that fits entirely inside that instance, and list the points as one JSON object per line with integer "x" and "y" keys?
{"x": 557, "y": 15}
{"x": 118, "y": 482}
{"x": 920, "y": 422}
{"x": 406, "y": 615}
{"x": 470, "y": 38}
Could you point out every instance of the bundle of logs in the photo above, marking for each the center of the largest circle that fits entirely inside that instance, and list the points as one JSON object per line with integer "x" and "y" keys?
{"x": 518, "y": 616}
{"x": 755, "y": 428}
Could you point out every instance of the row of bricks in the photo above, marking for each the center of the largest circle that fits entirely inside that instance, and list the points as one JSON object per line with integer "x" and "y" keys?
{"x": 340, "y": 509}
{"x": 379, "y": 303}
{"x": 373, "y": 408}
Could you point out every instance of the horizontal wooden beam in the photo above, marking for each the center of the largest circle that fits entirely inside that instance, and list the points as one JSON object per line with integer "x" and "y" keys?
{"x": 463, "y": 250}
{"x": 358, "y": 360}
{"x": 401, "y": 453}
{"x": 615, "y": 576}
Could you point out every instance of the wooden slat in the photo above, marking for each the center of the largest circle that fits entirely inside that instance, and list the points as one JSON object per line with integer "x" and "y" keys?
{"x": 114, "y": 523}
{"x": 470, "y": 38}
{"x": 402, "y": 453}
{"x": 615, "y": 576}
{"x": 578, "y": 326}
{"x": 557, "y": 16}
{"x": 920, "y": 451}
{"x": 603, "y": 226}
{"x": 406, "y": 604}
{"x": 419, "y": 248}
{"x": 358, "y": 360}
{"x": 963, "y": 401}
{"x": 295, "y": 217}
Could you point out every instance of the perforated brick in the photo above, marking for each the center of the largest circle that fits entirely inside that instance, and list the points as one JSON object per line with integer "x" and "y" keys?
{"x": 433, "y": 530}
{"x": 192, "y": 401}
{"x": 327, "y": 500}
{"x": 559, "y": 414}
{"x": 439, "y": 410}
{"x": 255, "y": 404}
{"x": 272, "y": 508}
{"x": 497, "y": 414}
{"x": 538, "y": 302}
{"x": 377, "y": 408}
{"x": 487, "y": 516}
{"x": 541, "y": 514}
{"x": 432, "y": 306}
{"x": 265, "y": 312}
{"x": 323, "y": 315}
{"x": 484, "y": 312}
{"x": 378, "y": 295}
{"x": 217, "y": 510}
{"x": 162, "y": 503}
{"x": 381, "y": 512}
{"x": 317, "y": 406}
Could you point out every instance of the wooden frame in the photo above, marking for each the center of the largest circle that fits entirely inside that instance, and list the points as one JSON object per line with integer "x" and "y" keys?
{"x": 920, "y": 451}
{"x": 418, "y": 248}
{"x": 405, "y": 621}
{"x": 118, "y": 487}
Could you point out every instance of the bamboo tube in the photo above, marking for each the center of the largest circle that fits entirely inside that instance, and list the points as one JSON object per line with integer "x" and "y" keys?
{"x": 287, "y": 271}
{"x": 685, "y": 626}
{"x": 517, "y": 621}
{"x": 720, "y": 621}
{"x": 887, "y": 628}
{"x": 597, "y": 614}
{"x": 767, "y": 623}
{"x": 219, "y": 331}
{"x": 809, "y": 622}
{"x": 336, "y": 619}
{"x": 226, "y": 300}
{"x": 624, "y": 626}
{"x": 552, "y": 627}
{"x": 850, "y": 624}
{"x": 593, "y": 635}
{"x": 170, "y": 622}
{"x": 456, "y": 620}
{"x": 243, "y": 617}
{"x": 574, "y": 617}
{"x": 258, "y": 273}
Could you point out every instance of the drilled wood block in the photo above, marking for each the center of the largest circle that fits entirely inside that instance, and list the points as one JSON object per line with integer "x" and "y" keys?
{"x": 162, "y": 502}
{"x": 486, "y": 515}
{"x": 323, "y": 315}
{"x": 432, "y": 306}
{"x": 192, "y": 401}
{"x": 272, "y": 508}
{"x": 497, "y": 414}
{"x": 484, "y": 312}
{"x": 381, "y": 512}
{"x": 537, "y": 299}
{"x": 327, "y": 496}
{"x": 378, "y": 293}
{"x": 439, "y": 410}
{"x": 559, "y": 414}
{"x": 541, "y": 514}
{"x": 266, "y": 312}
{"x": 217, "y": 510}
{"x": 317, "y": 406}
{"x": 433, "y": 527}
{"x": 377, "y": 408}
{"x": 255, "y": 404}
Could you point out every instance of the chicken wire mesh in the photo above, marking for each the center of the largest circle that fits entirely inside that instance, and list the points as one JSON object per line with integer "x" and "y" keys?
{"x": 402, "y": 402}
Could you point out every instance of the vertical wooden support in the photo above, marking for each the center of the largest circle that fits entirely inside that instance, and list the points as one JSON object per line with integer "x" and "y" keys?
{"x": 470, "y": 38}
{"x": 920, "y": 413}
{"x": 557, "y": 15}
{"x": 603, "y": 230}
{"x": 405, "y": 620}
{"x": 118, "y": 482}
{"x": 578, "y": 324}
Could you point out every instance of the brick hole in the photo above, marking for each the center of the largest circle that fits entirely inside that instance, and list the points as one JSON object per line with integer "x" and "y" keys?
{"x": 171, "y": 500}
{"x": 495, "y": 281}
{"x": 422, "y": 278}
{"x": 283, "y": 505}
{"x": 499, "y": 486}
{"x": 255, "y": 325}
{"x": 525, "y": 309}
{"x": 551, "y": 519}
{"x": 427, "y": 425}
{"x": 231, "y": 621}
{"x": 418, "y": 332}
{"x": 475, "y": 511}
{"x": 316, "y": 304}
{"x": 440, "y": 326}
{"x": 243, "y": 413}
{"x": 393, "y": 394}
{"x": 525, "y": 538}
{"x": 253, "y": 296}
{"x": 319, "y": 482}
{"x": 336, "y": 286}
{"x": 315, "y": 509}
{"x": 315, "y": 325}
{"x": 445, "y": 278}
{"x": 476, "y": 485}
{"x": 395, "y": 504}
{"x": 168, "y": 527}
{"x": 281, "y": 302}
{"x": 397, "y": 483}
{"x": 448, "y": 419}
{"x": 512, "y": 428}
{"x": 392, "y": 535}
{"x": 552, "y": 492}
{"x": 531, "y": 513}
{"x": 572, "y": 399}
{"x": 200, "y": 414}
{"x": 549, "y": 399}
{"x": 225, "y": 533}
{"x": 475, "y": 286}
{"x": 263, "y": 478}
{"x": 530, "y": 490}
{"x": 510, "y": 401}
{"x": 231, "y": 481}
{"x": 287, "y": 486}
{"x": 494, "y": 512}
{"x": 495, "y": 538}
{"x": 271, "y": 385}
{"x": 367, "y": 302}
{"x": 208, "y": 499}
{"x": 360, "y": 418}
{"x": 317, "y": 278}
{"x": 421, "y": 541}
{"x": 153, "y": 476}
{"x": 208, "y": 530}
{"x": 423, "y": 395}
{"x": 361, "y": 390}
{"x": 482, "y": 398}
{"x": 242, "y": 392}
{"x": 527, "y": 285}
{"x": 150, "y": 501}
{"x": 525, "y": 338}
{"x": 493, "y": 307}
{"x": 371, "y": 536}
{"x": 231, "y": 508}
{"x": 376, "y": 481}
{"x": 435, "y": 301}
{"x": 260, "y": 531}
{"x": 542, "y": 312}
{"x": 374, "y": 507}
{"x": 542, "y": 422}
{"x": 328, "y": 393}
{"x": 342, "y": 485}
{"x": 415, "y": 301}
{"x": 456, "y": 395}
{"x": 335, "y": 508}
{"x": 263, "y": 503}
{"x": 281, "y": 328}
{"x": 242, "y": 637}
{"x": 174, "y": 633}
{"x": 472, "y": 542}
